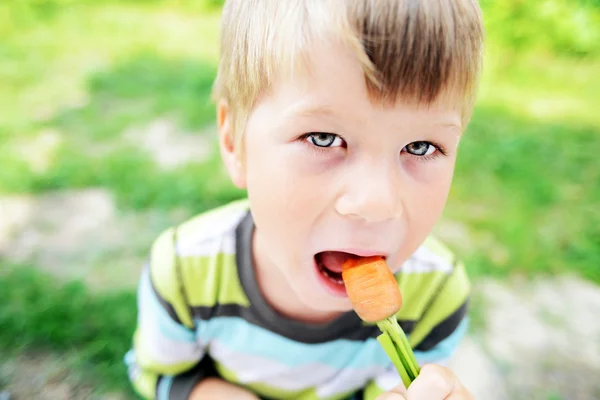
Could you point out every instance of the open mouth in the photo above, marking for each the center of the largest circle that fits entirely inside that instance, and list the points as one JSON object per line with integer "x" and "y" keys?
{"x": 330, "y": 265}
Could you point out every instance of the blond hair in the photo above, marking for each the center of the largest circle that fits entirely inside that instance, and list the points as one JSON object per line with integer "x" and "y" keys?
{"x": 410, "y": 50}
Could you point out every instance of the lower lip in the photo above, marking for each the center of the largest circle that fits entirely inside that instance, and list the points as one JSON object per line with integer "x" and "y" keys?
{"x": 332, "y": 287}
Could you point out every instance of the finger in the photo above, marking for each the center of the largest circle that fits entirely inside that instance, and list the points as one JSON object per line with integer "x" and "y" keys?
{"x": 460, "y": 394}
{"x": 433, "y": 383}
{"x": 400, "y": 389}
{"x": 391, "y": 396}
{"x": 397, "y": 393}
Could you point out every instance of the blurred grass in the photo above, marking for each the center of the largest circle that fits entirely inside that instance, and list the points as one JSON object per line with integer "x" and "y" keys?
{"x": 526, "y": 188}
{"x": 91, "y": 332}
{"x": 532, "y": 190}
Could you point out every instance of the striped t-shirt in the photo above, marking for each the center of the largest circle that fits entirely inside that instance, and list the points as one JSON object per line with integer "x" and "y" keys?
{"x": 201, "y": 313}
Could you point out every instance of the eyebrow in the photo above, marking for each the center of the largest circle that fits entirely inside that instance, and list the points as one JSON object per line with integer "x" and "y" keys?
{"x": 320, "y": 110}
{"x": 451, "y": 124}
{"x": 302, "y": 110}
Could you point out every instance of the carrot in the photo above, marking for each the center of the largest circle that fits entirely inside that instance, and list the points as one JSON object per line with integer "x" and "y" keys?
{"x": 372, "y": 288}
{"x": 375, "y": 297}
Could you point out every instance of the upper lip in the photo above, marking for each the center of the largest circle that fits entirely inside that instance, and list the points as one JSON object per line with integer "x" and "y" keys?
{"x": 361, "y": 252}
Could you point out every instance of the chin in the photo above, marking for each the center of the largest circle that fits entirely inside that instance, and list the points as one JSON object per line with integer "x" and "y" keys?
{"x": 324, "y": 302}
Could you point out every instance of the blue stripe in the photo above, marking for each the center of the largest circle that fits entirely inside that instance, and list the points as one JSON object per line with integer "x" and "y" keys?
{"x": 241, "y": 336}
{"x": 446, "y": 347}
{"x": 150, "y": 305}
{"x": 164, "y": 387}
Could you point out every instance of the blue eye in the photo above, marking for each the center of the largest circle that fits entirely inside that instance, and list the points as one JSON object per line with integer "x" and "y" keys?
{"x": 322, "y": 139}
{"x": 420, "y": 149}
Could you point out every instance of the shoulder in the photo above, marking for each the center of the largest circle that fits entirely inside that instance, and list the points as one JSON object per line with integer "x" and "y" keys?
{"x": 433, "y": 270}
{"x": 433, "y": 256}
{"x": 187, "y": 260}
{"x": 211, "y": 232}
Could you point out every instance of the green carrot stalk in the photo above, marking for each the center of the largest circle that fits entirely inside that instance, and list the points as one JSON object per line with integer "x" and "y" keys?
{"x": 374, "y": 293}
{"x": 392, "y": 352}
{"x": 395, "y": 344}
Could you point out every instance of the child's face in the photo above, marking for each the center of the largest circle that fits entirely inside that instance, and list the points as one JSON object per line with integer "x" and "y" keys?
{"x": 327, "y": 170}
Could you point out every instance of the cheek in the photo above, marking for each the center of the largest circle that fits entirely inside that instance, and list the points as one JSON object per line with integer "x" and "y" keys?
{"x": 282, "y": 195}
{"x": 430, "y": 185}
{"x": 430, "y": 194}
{"x": 432, "y": 172}
{"x": 288, "y": 177}
{"x": 422, "y": 210}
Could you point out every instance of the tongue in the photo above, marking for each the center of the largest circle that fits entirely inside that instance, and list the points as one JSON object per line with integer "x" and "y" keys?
{"x": 334, "y": 260}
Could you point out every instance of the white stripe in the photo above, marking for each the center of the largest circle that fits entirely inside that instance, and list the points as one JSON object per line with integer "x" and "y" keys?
{"x": 328, "y": 381}
{"x": 164, "y": 350}
{"x": 156, "y": 345}
{"x": 348, "y": 380}
{"x": 209, "y": 235}
{"x": 251, "y": 368}
{"x": 425, "y": 260}
{"x": 209, "y": 246}
{"x": 132, "y": 368}
{"x": 298, "y": 378}
{"x": 388, "y": 379}
{"x": 246, "y": 367}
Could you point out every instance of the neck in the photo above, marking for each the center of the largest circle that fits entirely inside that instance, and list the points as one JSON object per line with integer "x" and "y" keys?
{"x": 278, "y": 291}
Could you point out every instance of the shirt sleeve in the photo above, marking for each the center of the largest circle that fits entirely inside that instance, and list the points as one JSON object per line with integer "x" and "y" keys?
{"x": 167, "y": 358}
{"x": 438, "y": 332}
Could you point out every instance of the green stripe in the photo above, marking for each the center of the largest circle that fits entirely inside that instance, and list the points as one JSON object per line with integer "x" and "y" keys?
{"x": 372, "y": 391}
{"x": 453, "y": 294}
{"x": 164, "y": 276}
{"x": 212, "y": 279}
{"x": 417, "y": 290}
{"x": 202, "y": 277}
{"x": 145, "y": 361}
{"x": 170, "y": 369}
{"x": 145, "y": 384}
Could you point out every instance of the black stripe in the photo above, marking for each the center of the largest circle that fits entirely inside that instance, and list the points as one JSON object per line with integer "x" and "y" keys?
{"x": 248, "y": 314}
{"x": 348, "y": 326}
{"x": 406, "y": 325}
{"x": 158, "y": 380}
{"x": 184, "y": 383}
{"x": 164, "y": 303}
{"x": 444, "y": 328}
{"x": 281, "y": 327}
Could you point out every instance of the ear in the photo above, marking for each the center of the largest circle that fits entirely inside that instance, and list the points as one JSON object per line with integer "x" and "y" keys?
{"x": 229, "y": 153}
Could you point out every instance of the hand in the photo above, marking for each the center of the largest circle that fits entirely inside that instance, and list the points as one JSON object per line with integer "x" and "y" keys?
{"x": 433, "y": 383}
{"x": 217, "y": 389}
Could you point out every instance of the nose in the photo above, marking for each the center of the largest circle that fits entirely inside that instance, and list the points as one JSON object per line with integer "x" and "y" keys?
{"x": 371, "y": 193}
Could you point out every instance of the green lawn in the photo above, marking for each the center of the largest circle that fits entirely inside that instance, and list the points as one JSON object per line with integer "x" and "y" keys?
{"x": 526, "y": 189}
{"x": 91, "y": 333}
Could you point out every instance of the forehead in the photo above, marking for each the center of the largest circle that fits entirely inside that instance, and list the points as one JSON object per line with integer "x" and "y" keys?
{"x": 331, "y": 83}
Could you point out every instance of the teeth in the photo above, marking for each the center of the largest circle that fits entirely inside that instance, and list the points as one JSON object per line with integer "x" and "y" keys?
{"x": 332, "y": 276}
{"x": 335, "y": 278}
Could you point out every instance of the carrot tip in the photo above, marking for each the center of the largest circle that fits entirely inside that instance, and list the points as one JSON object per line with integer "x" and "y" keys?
{"x": 371, "y": 287}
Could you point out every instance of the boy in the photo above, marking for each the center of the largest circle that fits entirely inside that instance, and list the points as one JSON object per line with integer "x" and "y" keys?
{"x": 341, "y": 118}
